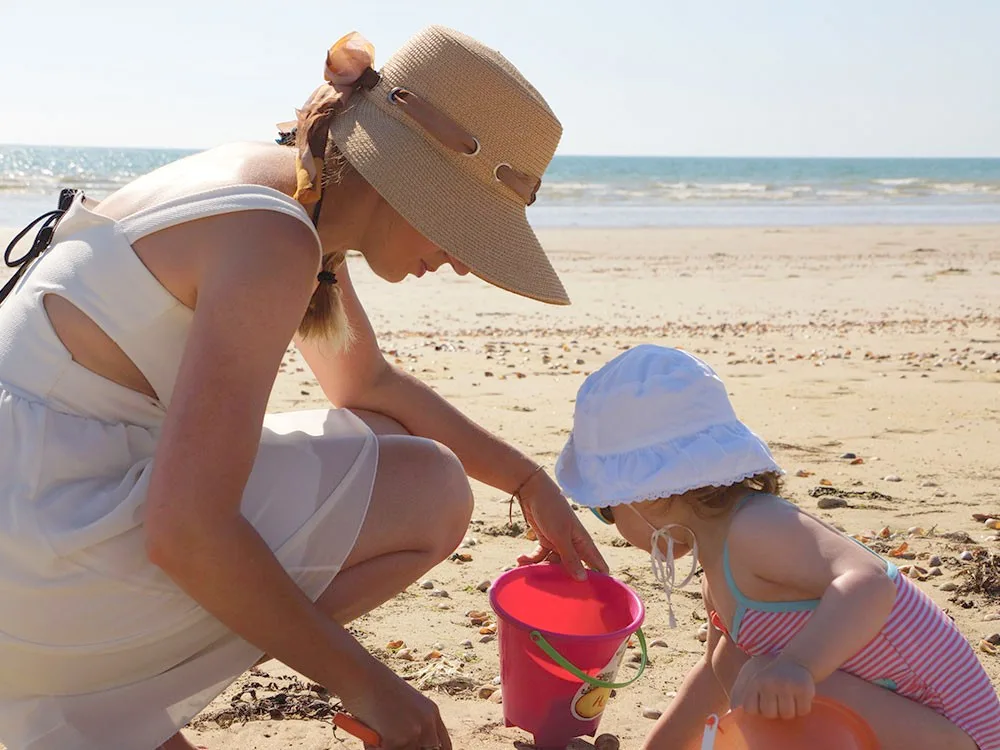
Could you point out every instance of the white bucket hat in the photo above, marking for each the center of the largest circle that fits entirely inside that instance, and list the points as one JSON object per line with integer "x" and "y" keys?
{"x": 655, "y": 422}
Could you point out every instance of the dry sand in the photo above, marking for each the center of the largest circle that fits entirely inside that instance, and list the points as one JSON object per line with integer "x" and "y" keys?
{"x": 883, "y": 342}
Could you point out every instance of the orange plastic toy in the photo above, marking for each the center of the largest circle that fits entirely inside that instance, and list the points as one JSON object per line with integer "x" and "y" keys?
{"x": 829, "y": 726}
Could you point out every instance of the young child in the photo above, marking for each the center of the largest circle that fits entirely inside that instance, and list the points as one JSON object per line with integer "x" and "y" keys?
{"x": 796, "y": 607}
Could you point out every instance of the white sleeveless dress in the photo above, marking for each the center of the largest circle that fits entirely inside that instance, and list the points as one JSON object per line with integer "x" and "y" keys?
{"x": 99, "y": 649}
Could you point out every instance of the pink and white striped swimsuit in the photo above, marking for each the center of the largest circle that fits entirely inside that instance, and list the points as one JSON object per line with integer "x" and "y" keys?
{"x": 919, "y": 653}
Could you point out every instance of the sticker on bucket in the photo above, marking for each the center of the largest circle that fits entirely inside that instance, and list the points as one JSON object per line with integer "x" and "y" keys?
{"x": 590, "y": 700}
{"x": 593, "y": 695}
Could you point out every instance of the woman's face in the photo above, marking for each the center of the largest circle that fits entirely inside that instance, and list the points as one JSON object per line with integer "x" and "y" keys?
{"x": 395, "y": 250}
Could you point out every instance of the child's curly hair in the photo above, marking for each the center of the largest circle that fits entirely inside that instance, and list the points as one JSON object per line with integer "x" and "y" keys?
{"x": 718, "y": 501}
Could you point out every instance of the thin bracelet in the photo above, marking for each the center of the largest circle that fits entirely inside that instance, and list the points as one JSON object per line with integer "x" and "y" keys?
{"x": 517, "y": 493}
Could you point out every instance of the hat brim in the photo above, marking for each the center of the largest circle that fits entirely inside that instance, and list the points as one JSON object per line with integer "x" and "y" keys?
{"x": 719, "y": 456}
{"x": 473, "y": 223}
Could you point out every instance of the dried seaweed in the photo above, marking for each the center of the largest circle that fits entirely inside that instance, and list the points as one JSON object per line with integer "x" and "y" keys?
{"x": 983, "y": 578}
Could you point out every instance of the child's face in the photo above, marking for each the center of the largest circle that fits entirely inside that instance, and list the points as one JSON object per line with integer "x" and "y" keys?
{"x": 633, "y": 527}
{"x": 637, "y": 522}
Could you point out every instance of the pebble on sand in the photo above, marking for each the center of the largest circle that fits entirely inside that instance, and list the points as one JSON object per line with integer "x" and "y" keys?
{"x": 607, "y": 742}
{"x": 935, "y": 561}
{"x": 427, "y": 584}
{"x": 893, "y": 478}
{"x": 702, "y": 633}
{"x": 486, "y": 691}
{"x": 440, "y": 594}
{"x": 829, "y": 502}
{"x": 658, "y": 643}
{"x": 484, "y": 586}
{"x": 487, "y": 639}
{"x": 466, "y": 644}
{"x": 651, "y": 713}
{"x": 966, "y": 556}
{"x": 949, "y": 586}
{"x": 497, "y": 697}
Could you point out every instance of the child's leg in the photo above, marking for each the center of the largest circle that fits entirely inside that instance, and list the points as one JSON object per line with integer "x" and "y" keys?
{"x": 899, "y": 723}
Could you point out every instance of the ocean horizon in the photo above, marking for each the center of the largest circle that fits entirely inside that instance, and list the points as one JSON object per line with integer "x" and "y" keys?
{"x": 618, "y": 191}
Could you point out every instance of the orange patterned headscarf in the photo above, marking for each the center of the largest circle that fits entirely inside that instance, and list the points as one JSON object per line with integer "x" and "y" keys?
{"x": 351, "y": 57}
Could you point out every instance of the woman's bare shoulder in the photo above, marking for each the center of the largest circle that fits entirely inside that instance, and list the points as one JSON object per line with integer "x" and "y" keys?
{"x": 267, "y": 165}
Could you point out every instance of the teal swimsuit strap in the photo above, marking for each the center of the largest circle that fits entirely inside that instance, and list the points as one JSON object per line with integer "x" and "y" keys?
{"x": 744, "y": 603}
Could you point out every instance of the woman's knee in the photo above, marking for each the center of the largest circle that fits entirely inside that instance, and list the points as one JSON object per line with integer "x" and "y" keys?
{"x": 435, "y": 486}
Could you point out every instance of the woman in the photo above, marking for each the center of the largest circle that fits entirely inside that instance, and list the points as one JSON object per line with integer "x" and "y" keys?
{"x": 155, "y": 540}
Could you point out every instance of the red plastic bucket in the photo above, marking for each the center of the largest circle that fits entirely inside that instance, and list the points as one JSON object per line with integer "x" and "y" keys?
{"x": 561, "y": 643}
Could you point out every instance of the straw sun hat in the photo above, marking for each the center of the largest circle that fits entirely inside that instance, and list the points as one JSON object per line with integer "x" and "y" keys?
{"x": 653, "y": 423}
{"x": 469, "y": 202}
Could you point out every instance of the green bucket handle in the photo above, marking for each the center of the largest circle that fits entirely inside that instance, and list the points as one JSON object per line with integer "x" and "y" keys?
{"x": 563, "y": 662}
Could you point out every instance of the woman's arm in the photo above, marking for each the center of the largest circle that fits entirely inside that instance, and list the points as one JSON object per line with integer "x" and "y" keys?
{"x": 251, "y": 298}
{"x": 856, "y": 597}
{"x": 361, "y": 378}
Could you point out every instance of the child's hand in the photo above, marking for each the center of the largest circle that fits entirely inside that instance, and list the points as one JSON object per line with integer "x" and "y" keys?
{"x": 774, "y": 687}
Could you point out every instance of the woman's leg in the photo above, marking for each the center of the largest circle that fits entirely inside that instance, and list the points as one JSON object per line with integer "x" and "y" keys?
{"x": 419, "y": 512}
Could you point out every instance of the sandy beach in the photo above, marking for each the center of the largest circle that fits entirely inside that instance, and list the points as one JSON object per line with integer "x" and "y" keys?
{"x": 882, "y": 342}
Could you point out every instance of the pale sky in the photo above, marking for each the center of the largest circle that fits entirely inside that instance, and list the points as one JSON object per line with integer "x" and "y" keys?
{"x": 698, "y": 77}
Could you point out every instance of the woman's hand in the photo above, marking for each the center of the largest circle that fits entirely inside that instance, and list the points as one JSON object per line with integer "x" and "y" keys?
{"x": 560, "y": 533}
{"x": 403, "y": 717}
{"x": 774, "y": 687}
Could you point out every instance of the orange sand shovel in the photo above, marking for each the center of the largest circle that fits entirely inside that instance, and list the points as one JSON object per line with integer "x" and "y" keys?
{"x": 358, "y": 728}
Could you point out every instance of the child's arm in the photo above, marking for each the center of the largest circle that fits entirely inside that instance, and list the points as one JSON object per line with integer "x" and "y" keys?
{"x": 777, "y": 547}
{"x": 699, "y": 696}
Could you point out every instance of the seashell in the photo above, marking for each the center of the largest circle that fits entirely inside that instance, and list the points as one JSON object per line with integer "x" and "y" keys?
{"x": 893, "y": 478}
{"x": 658, "y": 643}
{"x": 432, "y": 655}
{"x": 497, "y": 697}
{"x": 987, "y": 648}
{"x": 489, "y": 630}
{"x": 934, "y": 562}
{"x": 950, "y": 586}
{"x": 440, "y": 594}
{"x": 702, "y": 633}
{"x": 427, "y": 584}
{"x": 484, "y": 586}
{"x": 885, "y": 533}
{"x": 804, "y": 473}
{"x": 405, "y": 654}
{"x": 466, "y": 644}
{"x": 485, "y": 691}
{"x": 991, "y": 617}
{"x": 900, "y": 550}
{"x": 487, "y": 639}
{"x": 395, "y": 645}
{"x": 607, "y": 742}
{"x": 966, "y": 556}
{"x": 992, "y": 523}
{"x": 916, "y": 531}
